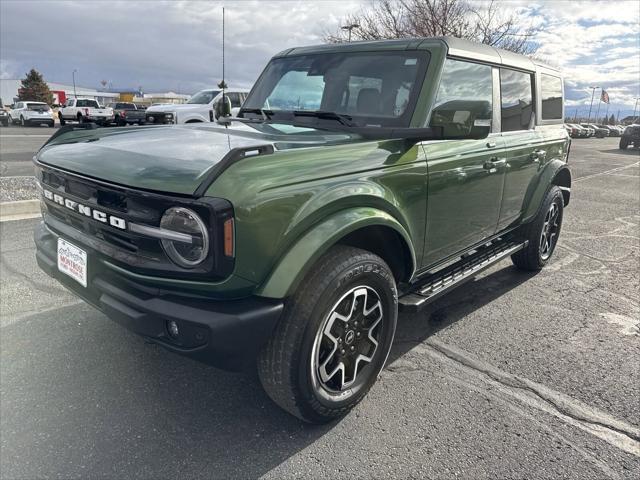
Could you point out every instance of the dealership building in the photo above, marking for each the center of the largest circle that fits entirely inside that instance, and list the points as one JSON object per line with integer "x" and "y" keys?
{"x": 61, "y": 92}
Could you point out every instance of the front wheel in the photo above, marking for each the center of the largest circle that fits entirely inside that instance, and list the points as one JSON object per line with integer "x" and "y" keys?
{"x": 333, "y": 338}
{"x": 541, "y": 233}
{"x": 624, "y": 143}
{"x": 22, "y": 121}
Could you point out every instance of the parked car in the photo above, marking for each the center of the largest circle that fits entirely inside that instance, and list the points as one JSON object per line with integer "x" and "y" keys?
{"x": 127, "y": 113}
{"x": 291, "y": 234}
{"x": 4, "y": 115}
{"x": 599, "y": 132}
{"x": 583, "y": 132}
{"x": 571, "y": 131}
{"x": 575, "y": 131}
{"x": 589, "y": 132}
{"x": 85, "y": 110}
{"x": 199, "y": 108}
{"x": 31, "y": 113}
{"x": 613, "y": 131}
{"x": 630, "y": 136}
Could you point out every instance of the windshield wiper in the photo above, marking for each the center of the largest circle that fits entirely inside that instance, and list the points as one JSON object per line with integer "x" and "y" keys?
{"x": 344, "y": 119}
{"x": 266, "y": 114}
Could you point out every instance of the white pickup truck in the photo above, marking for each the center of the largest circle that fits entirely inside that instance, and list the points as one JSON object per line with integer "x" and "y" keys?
{"x": 199, "y": 108}
{"x": 84, "y": 110}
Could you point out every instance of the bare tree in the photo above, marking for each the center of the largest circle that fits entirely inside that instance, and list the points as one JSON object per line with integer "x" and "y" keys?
{"x": 481, "y": 22}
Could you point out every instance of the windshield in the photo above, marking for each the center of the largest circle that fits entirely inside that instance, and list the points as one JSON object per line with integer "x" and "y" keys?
{"x": 373, "y": 88}
{"x": 204, "y": 97}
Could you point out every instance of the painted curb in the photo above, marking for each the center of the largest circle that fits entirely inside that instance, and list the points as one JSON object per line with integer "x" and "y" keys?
{"x": 19, "y": 209}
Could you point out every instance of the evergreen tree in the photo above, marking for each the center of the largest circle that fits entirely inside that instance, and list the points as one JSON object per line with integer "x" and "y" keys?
{"x": 612, "y": 120}
{"x": 35, "y": 89}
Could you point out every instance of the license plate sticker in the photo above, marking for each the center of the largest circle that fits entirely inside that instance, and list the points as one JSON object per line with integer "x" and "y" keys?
{"x": 72, "y": 261}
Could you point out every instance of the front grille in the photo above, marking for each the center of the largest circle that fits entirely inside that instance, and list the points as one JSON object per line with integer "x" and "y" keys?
{"x": 132, "y": 206}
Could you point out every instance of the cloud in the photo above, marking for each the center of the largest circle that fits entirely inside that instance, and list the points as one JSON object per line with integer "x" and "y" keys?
{"x": 160, "y": 45}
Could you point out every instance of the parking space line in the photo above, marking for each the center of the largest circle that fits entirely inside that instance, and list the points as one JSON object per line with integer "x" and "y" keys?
{"x": 606, "y": 172}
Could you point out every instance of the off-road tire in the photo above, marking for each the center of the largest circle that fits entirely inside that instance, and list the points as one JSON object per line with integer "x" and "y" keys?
{"x": 62, "y": 120}
{"x": 624, "y": 143}
{"x": 285, "y": 363}
{"x": 530, "y": 258}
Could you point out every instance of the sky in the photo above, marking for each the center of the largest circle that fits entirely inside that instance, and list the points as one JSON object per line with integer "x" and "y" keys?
{"x": 176, "y": 45}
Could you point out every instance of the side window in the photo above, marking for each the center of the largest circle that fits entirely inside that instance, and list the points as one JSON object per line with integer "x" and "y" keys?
{"x": 69, "y": 103}
{"x": 516, "y": 99}
{"x": 551, "y": 93}
{"x": 465, "y": 98}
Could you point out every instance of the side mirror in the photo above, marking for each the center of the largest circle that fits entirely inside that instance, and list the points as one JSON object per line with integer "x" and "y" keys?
{"x": 223, "y": 107}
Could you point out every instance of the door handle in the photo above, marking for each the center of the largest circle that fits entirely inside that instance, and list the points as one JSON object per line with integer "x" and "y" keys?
{"x": 491, "y": 144}
{"x": 492, "y": 164}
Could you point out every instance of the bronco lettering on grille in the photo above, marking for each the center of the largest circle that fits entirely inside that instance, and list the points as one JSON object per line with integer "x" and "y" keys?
{"x": 85, "y": 210}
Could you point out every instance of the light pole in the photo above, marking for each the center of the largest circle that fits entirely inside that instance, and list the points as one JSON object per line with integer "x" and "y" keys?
{"x": 593, "y": 91}
{"x": 349, "y": 28}
{"x": 74, "y": 83}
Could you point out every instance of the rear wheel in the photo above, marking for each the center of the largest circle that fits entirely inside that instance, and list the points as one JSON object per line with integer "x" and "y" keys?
{"x": 624, "y": 143}
{"x": 542, "y": 233}
{"x": 62, "y": 121}
{"x": 333, "y": 338}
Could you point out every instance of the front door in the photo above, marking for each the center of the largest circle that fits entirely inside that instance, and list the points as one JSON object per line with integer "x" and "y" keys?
{"x": 465, "y": 177}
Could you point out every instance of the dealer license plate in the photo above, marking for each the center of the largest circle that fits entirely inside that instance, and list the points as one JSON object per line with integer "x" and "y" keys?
{"x": 72, "y": 261}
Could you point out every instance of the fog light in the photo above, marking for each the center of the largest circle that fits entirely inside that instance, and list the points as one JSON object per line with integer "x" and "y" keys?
{"x": 173, "y": 329}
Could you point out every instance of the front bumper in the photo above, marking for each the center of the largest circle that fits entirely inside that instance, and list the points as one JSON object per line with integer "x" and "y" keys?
{"x": 227, "y": 334}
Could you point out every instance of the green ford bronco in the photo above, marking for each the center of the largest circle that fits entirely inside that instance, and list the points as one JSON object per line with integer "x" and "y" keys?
{"x": 357, "y": 180}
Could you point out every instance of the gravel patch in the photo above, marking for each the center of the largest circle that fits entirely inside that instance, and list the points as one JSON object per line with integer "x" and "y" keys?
{"x": 18, "y": 188}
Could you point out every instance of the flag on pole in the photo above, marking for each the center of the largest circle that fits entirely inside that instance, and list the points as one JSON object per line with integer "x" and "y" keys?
{"x": 604, "y": 97}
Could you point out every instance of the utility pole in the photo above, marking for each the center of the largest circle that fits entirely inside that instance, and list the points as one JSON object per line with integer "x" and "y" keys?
{"x": 74, "y": 82}
{"x": 634, "y": 109}
{"x": 349, "y": 28}
{"x": 593, "y": 91}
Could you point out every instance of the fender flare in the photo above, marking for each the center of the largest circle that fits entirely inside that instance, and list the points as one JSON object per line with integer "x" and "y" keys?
{"x": 296, "y": 262}
{"x": 545, "y": 181}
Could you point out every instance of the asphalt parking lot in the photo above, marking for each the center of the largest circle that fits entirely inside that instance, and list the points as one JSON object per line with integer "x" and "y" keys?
{"x": 513, "y": 375}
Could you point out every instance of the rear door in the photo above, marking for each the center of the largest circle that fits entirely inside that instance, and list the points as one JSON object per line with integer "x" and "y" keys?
{"x": 524, "y": 145}
{"x": 465, "y": 177}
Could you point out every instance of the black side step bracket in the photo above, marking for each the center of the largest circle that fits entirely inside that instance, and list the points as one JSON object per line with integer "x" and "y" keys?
{"x": 437, "y": 284}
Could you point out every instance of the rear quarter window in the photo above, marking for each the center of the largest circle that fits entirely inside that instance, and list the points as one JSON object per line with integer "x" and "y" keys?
{"x": 551, "y": 96}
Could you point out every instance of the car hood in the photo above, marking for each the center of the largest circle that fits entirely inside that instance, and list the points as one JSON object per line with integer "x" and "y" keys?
{"x": 173, "y": 159}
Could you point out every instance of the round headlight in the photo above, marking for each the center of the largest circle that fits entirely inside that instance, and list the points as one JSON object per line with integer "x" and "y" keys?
{"x": 183, "y": 220}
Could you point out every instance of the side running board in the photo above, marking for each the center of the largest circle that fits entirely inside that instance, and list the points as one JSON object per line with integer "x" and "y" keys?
{"x": 437, "y": 284}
